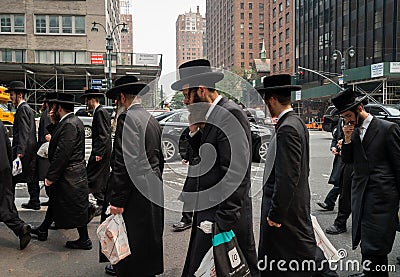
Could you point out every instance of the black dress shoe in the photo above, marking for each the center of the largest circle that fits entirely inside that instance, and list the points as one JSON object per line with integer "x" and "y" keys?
{"x": 109, "y": 269}
{"x": 361, "y": 274}
{"x": 24, "y": 236}
{"x": 335, "y": 230}
{"x": 41, "y": 235}
{"x": 31, "y": 206}
{"x": 324, "y": 206}
{"x": 181, "y": 226}
{"x": 79, "y": 244}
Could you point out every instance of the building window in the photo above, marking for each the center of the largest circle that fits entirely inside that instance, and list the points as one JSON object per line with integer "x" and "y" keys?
{"x": 12, "y": 23}
{"x": 287, "y": 33}
{"x": 280, "y": 7}
{"x": 250, "y": 26}
{"x": 287, "y": 3}
{"x": 242, "y": 55}
{"x": 261, "y": 36}
{"x": 250, "y": 35}
{"x": 60, "y": 57}
{"x": 6, "y": 55}
{"x": 242, "y": 64}
{"x": 274, "y": 40}
{"x": 274, "y": 68}
{"x": 274, "y": 26}
{"x": 57, "y": 24}
{"x": 287, "y": 63}
{"x": 250, "y": 45}
{"x": 280, "y": 51}
{"x": 15, "y": 56}
{"x": 241, "y": 15}
{"x": 287, "y": 48}
{"x": 242, "y": 35}
{"x": 242, "y": 45}
{"x": 274, "y": 12}
{"x": 261, "y": 16}
{"x": 280, "y": 22}
{"x": 377, "y": 49}
{"x": 280, "y": 66}
{"x": 242, "y": 5}
{"x": 261, "y": 26}
{"x": 250, "y": 6}
{"x": 251, "y": 56}
{"x": 241, "y": 25}
{"x": 280, "y": 37}
{"x": 378, "y": 20}
{"x": 287, "y": 17}
{"x": 274, "y": 54}
{"x": 261, "y": 6}
{"x": 250, "y": 16}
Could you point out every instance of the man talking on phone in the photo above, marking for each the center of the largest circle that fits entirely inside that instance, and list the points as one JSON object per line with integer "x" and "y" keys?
{"x": 373, "y": 146}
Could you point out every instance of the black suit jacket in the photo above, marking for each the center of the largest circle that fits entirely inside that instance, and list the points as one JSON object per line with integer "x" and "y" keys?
{"x": 136, "y": 185}
{"x": 24, "y": 142}
{"x": 42, "y": 130}
{"x": 69, "y": 192}
{"x": 375, "y": 186}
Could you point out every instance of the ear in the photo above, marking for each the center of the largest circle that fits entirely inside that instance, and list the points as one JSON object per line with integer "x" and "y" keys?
{"x": 202, "y": 90}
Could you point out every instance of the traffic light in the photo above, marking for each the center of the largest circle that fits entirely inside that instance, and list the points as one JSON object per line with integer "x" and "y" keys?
{"x": 300, "y": 75}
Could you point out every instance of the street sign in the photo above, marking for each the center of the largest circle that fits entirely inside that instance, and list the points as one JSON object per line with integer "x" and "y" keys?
{"x": 96, "y": 81}
{"x": 298, "y": 95}
{"x": 377, "y": 70}
{"x": 96, "y": 87}
{"x": 148, "y": 59}
{"x": 341, "y": 80}
{"x": 97, "y": 58}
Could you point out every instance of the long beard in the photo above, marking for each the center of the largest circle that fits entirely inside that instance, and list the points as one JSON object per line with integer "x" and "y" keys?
{"x": 120, "y": 110}
{"x": 198, "y": 110}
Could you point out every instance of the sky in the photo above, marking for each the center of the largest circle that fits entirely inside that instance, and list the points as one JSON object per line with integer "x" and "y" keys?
{"x": 154, "y": 27}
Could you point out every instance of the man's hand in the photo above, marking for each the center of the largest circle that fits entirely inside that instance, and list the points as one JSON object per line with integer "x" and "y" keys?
{"x": 20, "y": 155}
{"x": 184, "y": 161}
{"x": 48, "y": 183}
{"x": 193, "y": 128}
{"x": 116, "y": 210}
{"x": 98, "y": 158}
{"x": 334, "y": 151}
{"x": 48, "y": 137}
{"x": 348, "y": 130}
{"x": 273, "y": 224}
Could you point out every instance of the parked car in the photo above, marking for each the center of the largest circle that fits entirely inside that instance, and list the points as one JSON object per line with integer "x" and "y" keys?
{"x": 257, "y": 116}
{"x": 386, "y": 112}
{"x": 86, "y": 116}
{"x": 175, "y": 122}
{"x": 156, "y": 112}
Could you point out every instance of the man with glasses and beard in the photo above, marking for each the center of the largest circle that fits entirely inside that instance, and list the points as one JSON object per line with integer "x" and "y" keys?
{"x": 373, "y": 146}
{"x": 226, "y": 202}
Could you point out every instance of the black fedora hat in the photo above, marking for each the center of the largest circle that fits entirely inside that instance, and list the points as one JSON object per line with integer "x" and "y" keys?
{"x": 128, "y": 85}
{"x": 16, "y": 86}
{"x": 48, "y": 96}
{"x": 92, "y": 93}
{"x": 64, "y": 98}
{"x": 196, "y": 73}
{"x": 347, "y": 99}
{"x": 280, "y": 84}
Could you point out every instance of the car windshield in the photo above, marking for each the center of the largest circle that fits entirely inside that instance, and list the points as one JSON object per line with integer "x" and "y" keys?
{"x": 260, "y": 114}
{"x": 393, "y": 111}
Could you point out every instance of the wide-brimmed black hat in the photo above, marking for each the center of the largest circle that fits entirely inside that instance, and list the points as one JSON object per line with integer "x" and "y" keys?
{"x": 128, "y": 85}
{"x": 196, "y": 73}
{"x": 347, "y": 99}
{"x": 92, "y": 93}
{"x": 278, "y": 84}
{"x": 16, "y": 86}
{"x": 64, "y": 98}
{"x": 48, "y": 96}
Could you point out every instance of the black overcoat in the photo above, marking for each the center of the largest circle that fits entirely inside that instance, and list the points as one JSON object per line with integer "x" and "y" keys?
{"x": 43, "y": 163}
{"x": 286, "y": 199}
{"x": 136, "y": 185}
{"x": 226, "y": 127}
{"x": 24, "y": 142}
{"x": 7, "y": 191}
{"x": 98, "y": 172}
{"x": 375, "y": 187}
{"x": 337, "y": 167}
{"x": 69, "y": 192}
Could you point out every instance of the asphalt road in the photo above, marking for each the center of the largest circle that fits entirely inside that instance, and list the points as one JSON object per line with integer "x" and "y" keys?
{"x": 51, "y": 258}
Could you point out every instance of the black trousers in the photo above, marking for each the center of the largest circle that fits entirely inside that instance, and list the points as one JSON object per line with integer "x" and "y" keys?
{"x": 15, "y": 224}
{"x": 332, "y": 196}
{"x": 344, "y": 209}
{"x": 377, "y": 263}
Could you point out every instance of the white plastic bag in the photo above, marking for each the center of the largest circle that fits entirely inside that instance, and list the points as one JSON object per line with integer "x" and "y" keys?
{"x": 330, "y": 252}
{"x": 207, "y": 266}
{"x": 44, "y": 150}
{"x": 113, "y": 238}
{"x": 17, "y": 167}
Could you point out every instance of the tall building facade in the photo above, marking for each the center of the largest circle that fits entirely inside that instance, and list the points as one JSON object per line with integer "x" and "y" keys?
{"x": 190, "y": 37}
{"x": 126, "y": 38}
{"x": 370, "y": 26}
{"x": 281, "y": 36}
{"x": 235, "y": 33}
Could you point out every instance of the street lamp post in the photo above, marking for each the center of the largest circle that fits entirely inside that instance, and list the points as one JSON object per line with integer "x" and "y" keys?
{"x": 349, "y": 51}
{"x": 109, "y": 45}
